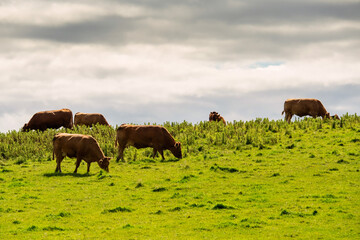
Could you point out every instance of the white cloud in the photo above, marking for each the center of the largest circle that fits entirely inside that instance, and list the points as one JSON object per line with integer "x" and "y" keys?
{"x": 13, "y": 121}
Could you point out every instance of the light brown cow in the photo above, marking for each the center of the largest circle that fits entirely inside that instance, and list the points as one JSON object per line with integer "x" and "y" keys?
{"x": 303, "y": 107}
{"x": 81, "y": 147}
{"x": 50, "y": 119}
{"x": 215, "y": 116}
{"x": 89, "y": 119}
{"x": 142, "y": 136}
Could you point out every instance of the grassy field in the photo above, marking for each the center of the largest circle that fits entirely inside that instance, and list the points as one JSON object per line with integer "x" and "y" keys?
{"x": 259, "y": 179}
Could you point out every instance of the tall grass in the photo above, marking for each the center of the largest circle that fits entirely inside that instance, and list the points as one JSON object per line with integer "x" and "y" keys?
{"x": 195, "y": 138}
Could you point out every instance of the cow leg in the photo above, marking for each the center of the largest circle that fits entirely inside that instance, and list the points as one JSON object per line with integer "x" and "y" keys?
{"x": 88, "y": 167}
{"x": 59, "y": 159}
{"x": 288, "y": 117}
{"x": 154, "y": 152}
{"x": 78, "y": 161}
{"x": 162, "y": 154}
{"x": 120, "y": 153}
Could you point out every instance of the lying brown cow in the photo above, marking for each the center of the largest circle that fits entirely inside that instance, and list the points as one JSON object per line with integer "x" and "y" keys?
{"x": 303, "y": 107}
{"x": 89, "y": 119}
{"x": 214, "y": 116}
{"x": 139, "y": 136}
{"x": 50, "y": 119}
{"x": 83, "y": 147}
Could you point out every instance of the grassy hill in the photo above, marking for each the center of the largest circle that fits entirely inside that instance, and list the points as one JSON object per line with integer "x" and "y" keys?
{"x": 259, "y": 179}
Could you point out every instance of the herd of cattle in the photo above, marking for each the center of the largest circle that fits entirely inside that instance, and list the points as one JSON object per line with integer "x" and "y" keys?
{"x": 85, "y": 147}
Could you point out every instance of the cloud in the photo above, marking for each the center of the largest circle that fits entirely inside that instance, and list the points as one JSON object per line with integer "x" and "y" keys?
{"x": 162, "y": 59}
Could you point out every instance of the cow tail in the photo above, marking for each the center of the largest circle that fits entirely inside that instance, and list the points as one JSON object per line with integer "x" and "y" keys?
{"x": 54, "y": 147}
{"x": 282, "y": 112}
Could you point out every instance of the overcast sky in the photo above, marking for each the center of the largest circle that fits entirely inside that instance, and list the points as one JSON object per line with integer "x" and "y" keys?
{"x": 140, "y": 61}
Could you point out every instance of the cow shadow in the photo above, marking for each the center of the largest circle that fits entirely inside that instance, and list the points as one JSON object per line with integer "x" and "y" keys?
{"x": 56, "y": 174}
{"x": 169, "y": 160}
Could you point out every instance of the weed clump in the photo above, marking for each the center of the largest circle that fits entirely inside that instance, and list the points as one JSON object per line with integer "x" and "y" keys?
{"x": 224, "y": 169}
{"x": 118, "y": 209}
{"x": 290, "y": 146}
{"x": 220, "y": 206}
{"x": 127, "y": 226}
{"x": 159, "y": 189}
{"x": 186, "y": 178}
{"x": 32, "y": 228}
{"x": 284, "y": 212}
{"x": 175, "y": 209}
{"x": 53, "y": 229}
{"x": 275, "y": 175}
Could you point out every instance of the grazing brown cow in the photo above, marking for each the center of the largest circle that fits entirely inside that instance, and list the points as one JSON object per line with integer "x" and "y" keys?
{"x": 49, "y": 119}
{"x": 214, "y": 116}
{"x": 142, "y": 136}
{"x": 89, "y": 119}
{"x": 335, "y": 117}
{"x": 83, "y": 147}
{"x": 303, "y": 107}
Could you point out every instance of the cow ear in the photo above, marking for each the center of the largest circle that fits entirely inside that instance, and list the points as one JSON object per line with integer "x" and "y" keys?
{"x": 101, "y": 161}
{"x": 108, "y": 158}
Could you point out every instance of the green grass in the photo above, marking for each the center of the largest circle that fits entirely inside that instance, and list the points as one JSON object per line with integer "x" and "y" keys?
{"x": 249, "y": 180}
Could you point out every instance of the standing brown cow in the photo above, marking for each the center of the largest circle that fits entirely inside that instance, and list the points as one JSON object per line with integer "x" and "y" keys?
{"x": 303, "y": 107}
{"x": 89, "y": 119}
{"x": 83, "y": 147}
{"x": 50, "y": 119}
{"x": 214, "y": 116}
{"x": 142, "y": 136}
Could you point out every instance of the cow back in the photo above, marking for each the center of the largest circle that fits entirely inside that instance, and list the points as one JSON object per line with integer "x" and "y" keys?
{"x": 51, "y": 119}
{"x": 141, "y": 136}
{"x": 89, "y": 119}
{"x": 74, "y": 145}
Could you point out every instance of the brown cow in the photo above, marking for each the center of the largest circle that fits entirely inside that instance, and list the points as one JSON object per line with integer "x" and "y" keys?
{"x": 83, "y": 147}
{"x": 142, "y": 136}
{"x": 336, "y": 117}
{"x": 214, "y": 116}
{"x": 49, "y": 119}
{"x": 303, "y": 107}
{"x": 89, "y": 119}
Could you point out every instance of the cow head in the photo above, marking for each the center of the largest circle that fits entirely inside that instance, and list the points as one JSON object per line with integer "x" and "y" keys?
{"x": 104, "y": 163}
{"x": 176, "y": 150}
{"x": 25, "y": 127}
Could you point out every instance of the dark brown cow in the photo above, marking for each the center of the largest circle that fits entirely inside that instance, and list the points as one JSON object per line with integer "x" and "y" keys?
{"x": 214, "y": 116}
{"x": 81, "y": 147}
{"x": 335, "y": 117}
{"x": 142, "y": 136}
{"x": 50, "y": 119}
{"x": 303, "y": 107}
{"x": 89, "y": 119}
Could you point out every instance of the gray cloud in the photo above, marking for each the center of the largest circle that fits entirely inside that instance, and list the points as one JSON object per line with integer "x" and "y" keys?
{"x": 177, "y": 60}
{"x": 165, "y": 21}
